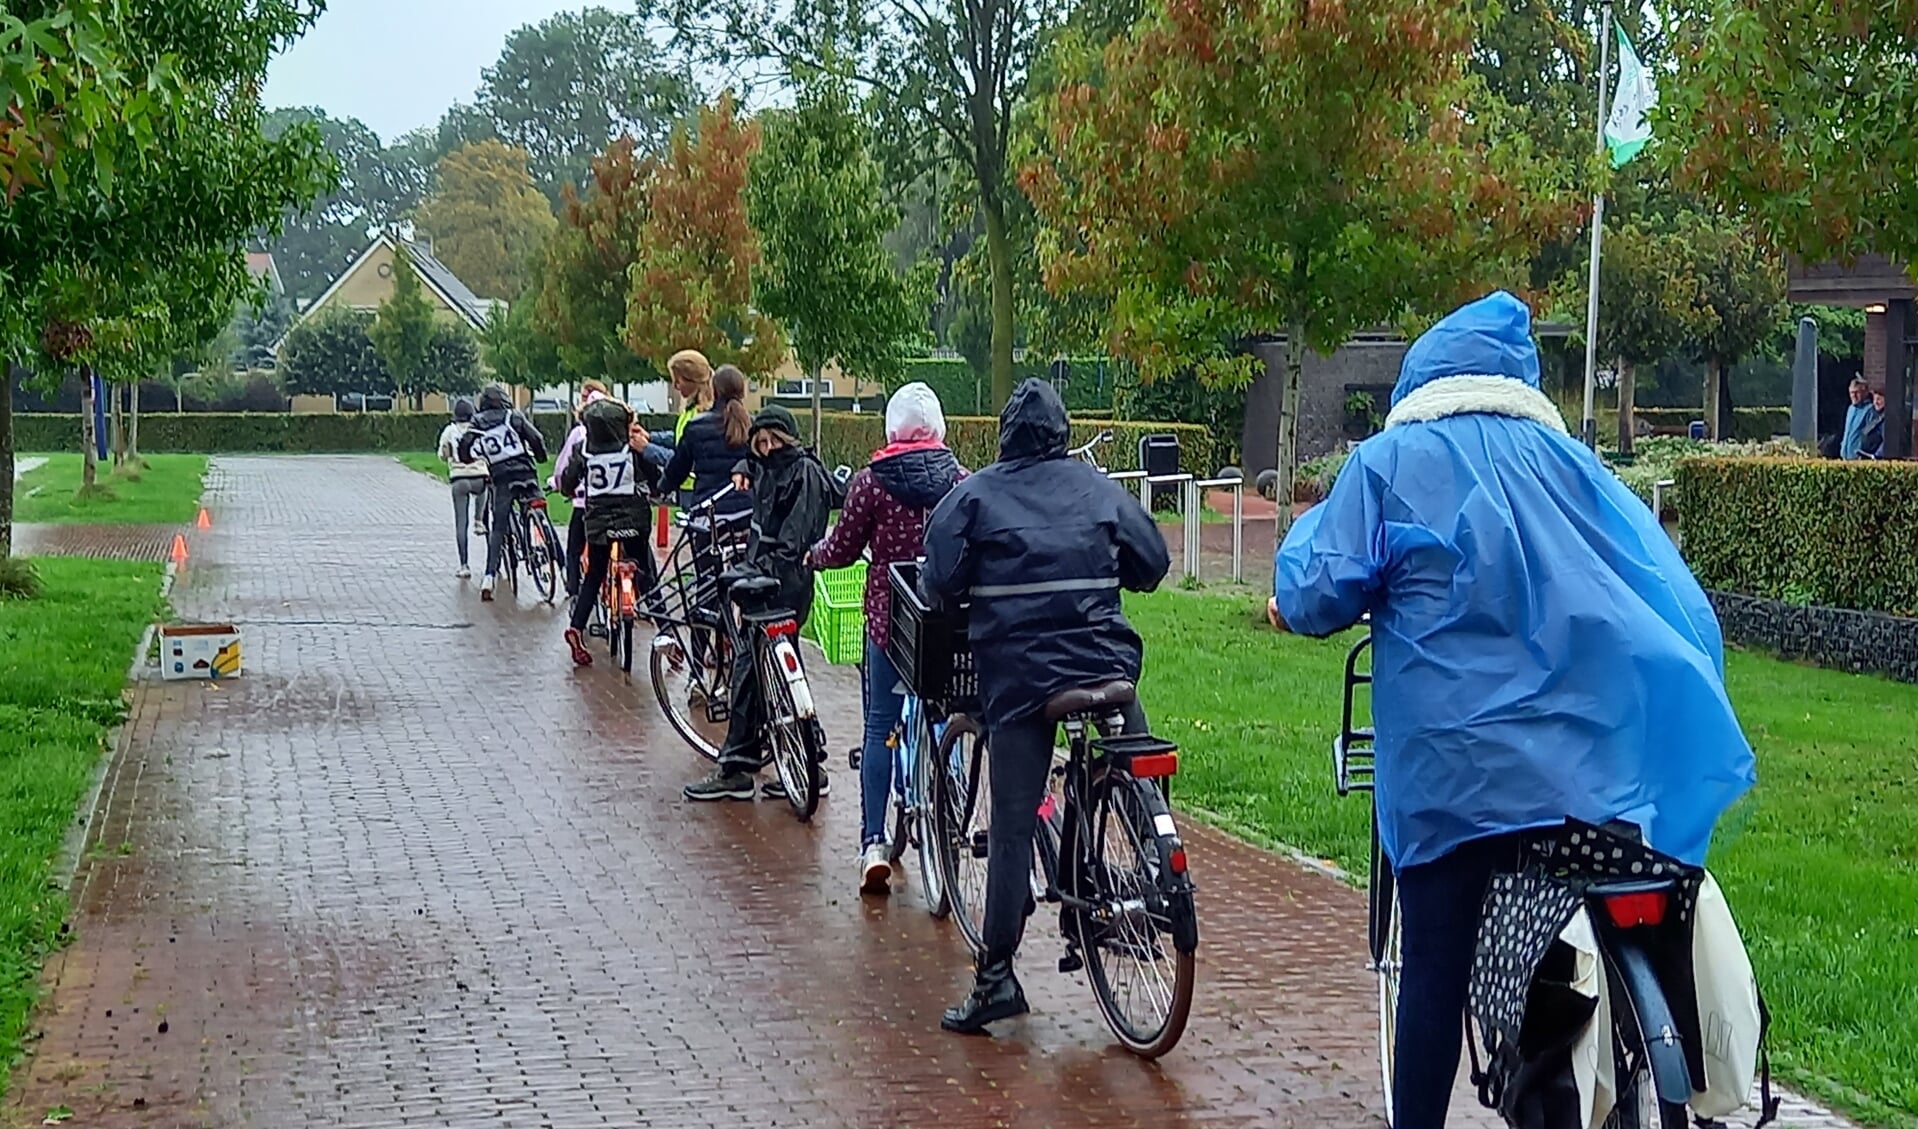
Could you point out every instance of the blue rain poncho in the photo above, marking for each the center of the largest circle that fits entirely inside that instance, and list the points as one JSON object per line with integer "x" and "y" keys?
{"x": 1540, "y": 649}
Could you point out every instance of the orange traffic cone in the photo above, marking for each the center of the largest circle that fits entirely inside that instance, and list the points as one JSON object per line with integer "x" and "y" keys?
{"x": 179, "y": 548}
{"x": 205, "y": 522}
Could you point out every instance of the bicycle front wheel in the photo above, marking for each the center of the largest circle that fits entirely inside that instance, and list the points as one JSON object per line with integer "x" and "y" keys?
{"x": 690, "y": 671}
{"x": 1139, "y": 938}
{"x": 919, "y": 793}
{"x": 1382, "y": 901}
{"x": 543, "y": 549}
{"x": 798, "y": 743}
{"x": 961, "y": 798}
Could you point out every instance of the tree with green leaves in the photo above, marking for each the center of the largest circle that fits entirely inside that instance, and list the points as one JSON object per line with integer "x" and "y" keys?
{"x": 945, "y": 79}
{"x": 332, "y": 354}
{"x": 1231, "y": 168}
{"x": 175, "y": 170}
{"x": 814, "y": 197}
{"x": 563, "y": 88}
{"x": 378, "y": 186}
{"x": 402, "y": 331}
{"x": 520, "y": 349}
{"x": 486, "y": 219}
{"x": 583, "y": 283}
{"x": 692, "y": 281}
{"x": 1741, "y": 300}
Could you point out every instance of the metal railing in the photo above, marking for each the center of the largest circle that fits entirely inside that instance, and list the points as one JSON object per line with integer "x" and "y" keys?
{"x": 1191, "y": 504}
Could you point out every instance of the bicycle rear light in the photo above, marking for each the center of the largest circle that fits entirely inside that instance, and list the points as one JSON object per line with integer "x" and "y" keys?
{"x": 1155, "y": 765}
{"x": 1628, "y": 911}
{"x": 784, "y": 629}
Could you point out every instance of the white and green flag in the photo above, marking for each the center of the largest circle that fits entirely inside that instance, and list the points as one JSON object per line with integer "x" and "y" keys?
{"x": 1626, "y": 130}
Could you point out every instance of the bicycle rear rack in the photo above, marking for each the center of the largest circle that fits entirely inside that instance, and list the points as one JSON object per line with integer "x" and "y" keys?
{"x": 1352, "y": 750}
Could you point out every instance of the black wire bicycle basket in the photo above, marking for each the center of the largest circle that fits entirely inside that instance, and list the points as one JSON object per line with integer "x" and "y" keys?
{"x": 930, "y": 648}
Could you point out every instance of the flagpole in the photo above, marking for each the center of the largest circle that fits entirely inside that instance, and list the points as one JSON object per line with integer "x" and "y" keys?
{"x": 1589, "y": 429}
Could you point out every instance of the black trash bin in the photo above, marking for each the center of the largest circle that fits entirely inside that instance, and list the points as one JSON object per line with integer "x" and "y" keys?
{"x": 1159, "y": 454}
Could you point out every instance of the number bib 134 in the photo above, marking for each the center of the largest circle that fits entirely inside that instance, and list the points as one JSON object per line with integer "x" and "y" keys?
{"x": 497, "y": 444}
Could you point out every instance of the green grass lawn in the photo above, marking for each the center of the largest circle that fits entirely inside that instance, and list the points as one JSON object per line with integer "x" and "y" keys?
{"x": 560, "y": 509}
{"x": 63, "y": 663}
{"x": 1820, "y": 862}
{"x": 165, "y": 492}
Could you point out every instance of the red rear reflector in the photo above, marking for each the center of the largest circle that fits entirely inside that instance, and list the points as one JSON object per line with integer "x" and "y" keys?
{"x": 1629, "y": 911}
{"x": 1178, "y": 861}
{"x": 538, "y": 503}
{"x": 784, "y": 627}
{"x": 1155, "y": 765}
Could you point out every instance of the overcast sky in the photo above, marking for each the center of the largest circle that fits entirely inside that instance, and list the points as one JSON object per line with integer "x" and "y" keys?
{"x": 398, "y": 64}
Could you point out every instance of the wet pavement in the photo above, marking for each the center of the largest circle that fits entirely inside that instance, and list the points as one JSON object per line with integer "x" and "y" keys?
{"x": 117, "y": 542}
{"x": 414, "y": 870}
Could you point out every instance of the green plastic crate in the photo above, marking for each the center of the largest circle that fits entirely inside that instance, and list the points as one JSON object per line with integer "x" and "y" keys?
{"x": 838, "y": 621}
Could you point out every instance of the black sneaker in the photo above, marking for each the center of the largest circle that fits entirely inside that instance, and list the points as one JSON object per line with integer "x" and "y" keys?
{"x": 775, "y": 789}
{"x": 721, "y": 785}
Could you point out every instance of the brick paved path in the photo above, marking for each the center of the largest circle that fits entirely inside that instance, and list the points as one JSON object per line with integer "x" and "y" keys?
{"x": 118, "y": 542}
{"x": 413, "y": 870}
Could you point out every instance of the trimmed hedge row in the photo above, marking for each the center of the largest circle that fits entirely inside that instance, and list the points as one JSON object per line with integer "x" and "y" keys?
{"x": 845, "y": 437}
{"x": 1804, "y": 531}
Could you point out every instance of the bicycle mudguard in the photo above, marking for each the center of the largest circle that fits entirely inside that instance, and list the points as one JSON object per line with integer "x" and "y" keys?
{"x": 1664, "y": 1046}
{"x": 786, "y": 658}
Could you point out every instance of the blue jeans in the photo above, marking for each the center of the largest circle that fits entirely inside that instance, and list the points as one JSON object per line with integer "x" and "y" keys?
{"x": 880, "y": 681}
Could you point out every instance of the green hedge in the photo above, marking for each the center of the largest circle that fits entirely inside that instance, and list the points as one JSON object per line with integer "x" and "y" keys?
{"x": 1805, "y": 531}
{"x": 1748, "y": 424}
{"x": 963, "y": 392}
{"x": 845, "y": 437}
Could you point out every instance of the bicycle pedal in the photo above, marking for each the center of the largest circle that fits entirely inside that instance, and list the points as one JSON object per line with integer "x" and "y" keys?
{"x": 1071, "y": 962}
{"x": 852, "y": 759}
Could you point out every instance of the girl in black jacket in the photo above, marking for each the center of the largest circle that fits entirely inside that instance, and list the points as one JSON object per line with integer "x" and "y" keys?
{"x": 713, "y": 443}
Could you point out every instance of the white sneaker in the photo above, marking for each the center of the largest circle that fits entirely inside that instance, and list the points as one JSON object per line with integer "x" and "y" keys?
{"x": 875, "y": 872}
{"x": 479, "y": 529}
{"x": 463, "y": 572}
{"x": 486, "y": 589}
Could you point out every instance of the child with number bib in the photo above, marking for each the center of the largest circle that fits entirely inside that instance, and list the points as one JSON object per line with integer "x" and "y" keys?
{"x": 611, "y": 476}
{"x": 512, "y": 449}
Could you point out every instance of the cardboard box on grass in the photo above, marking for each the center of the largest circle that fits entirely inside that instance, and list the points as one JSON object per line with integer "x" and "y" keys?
{"x": 199, "y": 650}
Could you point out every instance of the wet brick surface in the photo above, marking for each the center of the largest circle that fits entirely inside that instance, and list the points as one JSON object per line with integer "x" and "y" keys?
{"x": 413, "y": 870}
{"x": 119, "y": 542}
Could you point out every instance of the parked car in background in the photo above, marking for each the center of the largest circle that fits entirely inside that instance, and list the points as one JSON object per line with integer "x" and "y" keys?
{"x": 546, "y": 404}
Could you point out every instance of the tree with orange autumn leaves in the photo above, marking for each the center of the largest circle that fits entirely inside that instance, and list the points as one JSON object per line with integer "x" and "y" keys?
{"x": 584, "y": 279}
{"x": 1232, "y": 168}
{"x": 691, "y": 281}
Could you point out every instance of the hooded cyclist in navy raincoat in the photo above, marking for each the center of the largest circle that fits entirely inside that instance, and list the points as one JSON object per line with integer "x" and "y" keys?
{"x": 1042, "y": 544}
{"x": 1540, "y": 651}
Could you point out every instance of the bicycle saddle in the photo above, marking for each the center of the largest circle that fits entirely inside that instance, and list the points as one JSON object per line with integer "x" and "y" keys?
{"x": 1098, "y": 698}
{"x": 749, "y": 588}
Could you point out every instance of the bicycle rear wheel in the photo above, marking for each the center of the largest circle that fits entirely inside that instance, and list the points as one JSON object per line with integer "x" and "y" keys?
{"x": 1639, "y": 1106}
{"x": 690, "y": 675}
{"x": 621, "y": 632}
{"x": 543, "y": 550}
{"x": 919, "y": 792}
{"x": 1383, "y": 929}
{"x": 1139, "y": 943}
{"x": 961, "y": 798}
{"x": 798, "y": 743}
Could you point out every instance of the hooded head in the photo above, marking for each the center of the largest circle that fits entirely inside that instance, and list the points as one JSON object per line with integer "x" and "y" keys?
{"x": 463, "y": 410}
{"x": 779, "y": 420}
{"x": 1033, "y": 425}
{"x": 913, "y": 415}
{"x": 494, "y": 398}
{"x": 606, "y": 421}
{"x": 1489, "y": 337}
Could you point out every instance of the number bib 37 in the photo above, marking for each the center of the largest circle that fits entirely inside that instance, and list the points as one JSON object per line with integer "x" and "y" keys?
{"x": 610, "y": 475}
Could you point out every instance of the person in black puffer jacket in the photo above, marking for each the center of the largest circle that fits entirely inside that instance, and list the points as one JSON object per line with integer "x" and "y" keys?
{"x": 611, "y": 474}
{"x": 513, "y": 449}
{"x": 1042, "y": 544}
{"x": 792, "y": 498}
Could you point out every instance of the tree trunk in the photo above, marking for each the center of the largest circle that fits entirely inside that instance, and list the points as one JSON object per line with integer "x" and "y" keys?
{"x": 133, "y": 425}
{"x": 818, "y": 416}
{"x": 6, "y": 459}
{"x": 999, "y": 253}
{"x": 116, "y": 426}
{"x": 1626, "y": 420}
{"x": 90, "y": 468}
{"x": 1288, "y": 446}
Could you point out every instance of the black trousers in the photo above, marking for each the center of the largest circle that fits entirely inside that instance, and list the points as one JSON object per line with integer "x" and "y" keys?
{"x": 1019, "y": 759}
{"x": 575, "y": 545}
{"x": 599, "y": 561}
{"x": 742, "y": 751}
{"x": 1439, "y": 907}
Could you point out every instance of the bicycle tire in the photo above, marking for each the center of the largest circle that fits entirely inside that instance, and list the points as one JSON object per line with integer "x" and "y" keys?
{"x": 937, "y": 903}
{"x": 798, "y": 743}
{"x": 687, "y": 666}
{"x": 624, "y": 632}
{"x": 1384, "y": 944}
{"x": 543, "y": 552}
{"x": 900, "y": 797}
{"x": 1639, "y": 1106}
{"x": 509, "y": 547}
{"x": 962, "y": 811}
{"x": 1133, "y": 808}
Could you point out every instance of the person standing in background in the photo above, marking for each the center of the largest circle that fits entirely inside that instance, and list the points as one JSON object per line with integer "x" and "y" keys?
{"x": 468, "y": 479}
{"x": 1858, "y": 421}
{"x": 1872, "y": 446}
{"x": 589, "y": 392}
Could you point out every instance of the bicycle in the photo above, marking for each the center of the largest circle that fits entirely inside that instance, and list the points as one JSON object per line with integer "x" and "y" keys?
{"x": 529, "y": 539}
{"x": 1087, "y": 454}
{"x": 790, "y": 725}
{"x": 1656, "y": 1051}
{"x": 1107, "y": 851}
{"x": 691, "y": 658}
{"x": 616, "y": 608}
